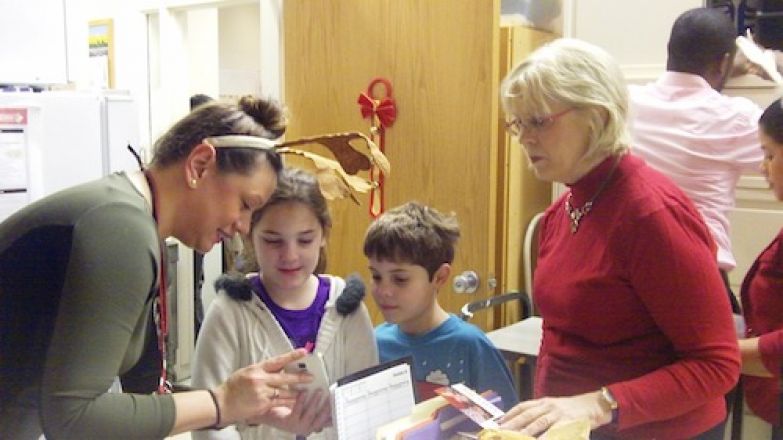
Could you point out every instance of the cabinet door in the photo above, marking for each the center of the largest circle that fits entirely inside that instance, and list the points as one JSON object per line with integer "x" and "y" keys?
{"x": 441, "y": 57}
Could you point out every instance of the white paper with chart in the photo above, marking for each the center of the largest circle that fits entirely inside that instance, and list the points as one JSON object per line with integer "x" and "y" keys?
{"x": 364, "y": 401}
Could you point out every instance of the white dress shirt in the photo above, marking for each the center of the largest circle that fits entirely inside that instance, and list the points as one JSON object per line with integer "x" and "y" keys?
{"x": 702, "y": 140}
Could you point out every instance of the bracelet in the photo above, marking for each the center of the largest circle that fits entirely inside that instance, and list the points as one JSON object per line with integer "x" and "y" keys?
{"x": 607, "y": 396}
{"x": 217, "y": 410}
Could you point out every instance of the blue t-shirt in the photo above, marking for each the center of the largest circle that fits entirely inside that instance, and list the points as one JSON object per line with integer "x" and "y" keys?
{"x": 453, "y": 352}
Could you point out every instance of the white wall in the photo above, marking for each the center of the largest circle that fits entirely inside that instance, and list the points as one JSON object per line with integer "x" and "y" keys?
{"x": 635, "y": 32}
{"x": 239, "y": 50}
{"x": 271, "y": 30}
{"x": 130, "y": 39}
{"x": 32, "y": 34}
{"x": 203, "y": 51}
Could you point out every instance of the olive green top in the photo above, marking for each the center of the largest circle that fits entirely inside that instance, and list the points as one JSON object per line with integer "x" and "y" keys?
{"x": 78, "y": 276}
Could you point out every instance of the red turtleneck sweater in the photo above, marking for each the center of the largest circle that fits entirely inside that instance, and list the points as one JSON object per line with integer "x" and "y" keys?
{"x": 633, "y": 300}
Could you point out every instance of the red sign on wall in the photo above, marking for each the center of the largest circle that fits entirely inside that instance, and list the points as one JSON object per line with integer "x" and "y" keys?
{"x": 13, "y": 116}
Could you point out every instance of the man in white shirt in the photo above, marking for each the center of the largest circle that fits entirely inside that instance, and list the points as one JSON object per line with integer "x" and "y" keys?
{"x": 685, "y": 128}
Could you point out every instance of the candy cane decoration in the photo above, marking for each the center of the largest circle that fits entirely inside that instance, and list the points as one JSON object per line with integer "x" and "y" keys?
{"x": 382, "y": 113}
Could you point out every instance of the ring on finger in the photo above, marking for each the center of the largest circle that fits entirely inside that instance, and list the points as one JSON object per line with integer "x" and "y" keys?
{"x": 276, "y": 394}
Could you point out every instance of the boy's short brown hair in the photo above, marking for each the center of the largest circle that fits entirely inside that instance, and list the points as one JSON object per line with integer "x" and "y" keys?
{"x": 413, "y": 233}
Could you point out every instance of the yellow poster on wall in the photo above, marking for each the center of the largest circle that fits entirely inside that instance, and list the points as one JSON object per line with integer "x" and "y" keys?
{"x": 101, "y": 64}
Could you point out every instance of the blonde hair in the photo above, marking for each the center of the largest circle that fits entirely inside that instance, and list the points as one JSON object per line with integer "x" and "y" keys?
{"x": 579, "y": 75}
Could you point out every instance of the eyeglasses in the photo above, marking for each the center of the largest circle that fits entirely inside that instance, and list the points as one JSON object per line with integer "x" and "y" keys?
{"x": 516, "y": 127}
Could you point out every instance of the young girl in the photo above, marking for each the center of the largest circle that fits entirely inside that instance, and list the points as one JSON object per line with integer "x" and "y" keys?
{"x": 286, "y": 306}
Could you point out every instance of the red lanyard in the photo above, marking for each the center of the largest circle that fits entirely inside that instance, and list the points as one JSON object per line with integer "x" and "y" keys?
{"x": 160, "y": 306}
{"x": 162, "y": 322}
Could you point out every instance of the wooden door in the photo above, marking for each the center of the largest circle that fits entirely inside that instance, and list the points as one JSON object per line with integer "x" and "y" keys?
{"x": 520, "y": 195}
{"x": 441, "y": 57}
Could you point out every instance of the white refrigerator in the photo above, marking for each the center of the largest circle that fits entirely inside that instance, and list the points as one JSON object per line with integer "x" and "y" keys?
{"x": 52, "y": 140}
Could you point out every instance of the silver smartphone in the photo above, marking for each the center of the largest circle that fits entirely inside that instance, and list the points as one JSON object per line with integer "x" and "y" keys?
{"x": 313, "y": 364}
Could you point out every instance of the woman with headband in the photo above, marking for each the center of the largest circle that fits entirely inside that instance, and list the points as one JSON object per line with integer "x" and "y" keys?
{"x": 82, "y": 273}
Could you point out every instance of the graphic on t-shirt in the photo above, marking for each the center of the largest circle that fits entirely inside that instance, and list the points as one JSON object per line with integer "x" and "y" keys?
{"x": 432, "y": 381}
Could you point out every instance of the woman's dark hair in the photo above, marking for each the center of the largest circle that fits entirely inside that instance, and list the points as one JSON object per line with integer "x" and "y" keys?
{"x": 250, "y": 116}
{"x": 199, "y": 99}
{"x": 771, "y": 121}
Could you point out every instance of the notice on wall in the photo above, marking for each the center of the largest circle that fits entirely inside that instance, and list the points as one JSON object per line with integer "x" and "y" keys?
{"x": 13, "y": 160}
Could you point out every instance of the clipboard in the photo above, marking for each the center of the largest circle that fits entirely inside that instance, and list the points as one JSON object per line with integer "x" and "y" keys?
{"x": 364, "y": 401}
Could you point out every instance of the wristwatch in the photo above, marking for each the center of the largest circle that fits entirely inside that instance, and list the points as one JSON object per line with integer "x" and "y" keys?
{"x": 607, "y": 396}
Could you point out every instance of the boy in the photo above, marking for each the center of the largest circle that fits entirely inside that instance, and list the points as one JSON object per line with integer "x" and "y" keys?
{"x": 411, "y": 249}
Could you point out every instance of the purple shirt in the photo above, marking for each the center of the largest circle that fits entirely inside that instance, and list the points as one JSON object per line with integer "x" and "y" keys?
{"x": 301, "y": 326}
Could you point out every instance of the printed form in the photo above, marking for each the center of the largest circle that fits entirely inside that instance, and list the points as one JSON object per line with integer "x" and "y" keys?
{"x": 369, "y": 399}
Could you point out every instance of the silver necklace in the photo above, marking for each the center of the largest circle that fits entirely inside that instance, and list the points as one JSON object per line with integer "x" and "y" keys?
{"x": 575, "y": 215}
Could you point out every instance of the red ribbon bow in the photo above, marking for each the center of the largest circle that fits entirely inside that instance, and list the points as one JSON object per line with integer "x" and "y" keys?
{"x": 385, "y": 109}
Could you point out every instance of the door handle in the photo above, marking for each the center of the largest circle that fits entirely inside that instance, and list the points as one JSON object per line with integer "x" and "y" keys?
{"x": 466, "y": 282}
